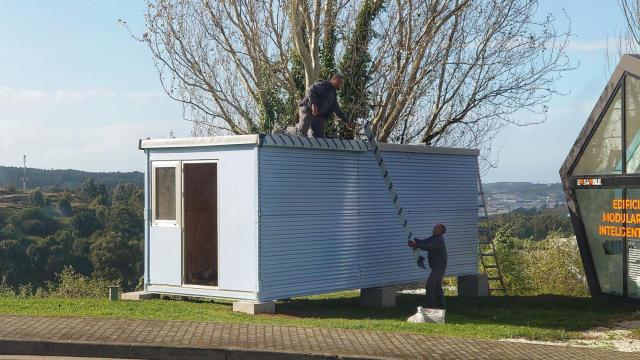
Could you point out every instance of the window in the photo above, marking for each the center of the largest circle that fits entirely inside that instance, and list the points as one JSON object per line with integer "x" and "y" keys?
{"x": 603, "y": 154}
{"x": 632, "y": 118}
{"x": 165, "y": 193}
{"x": 601, "y": 215}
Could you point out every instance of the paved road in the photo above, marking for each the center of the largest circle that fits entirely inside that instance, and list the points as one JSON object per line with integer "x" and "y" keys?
{"x": 43, "y": 357}
{"x": 101, "y": 337}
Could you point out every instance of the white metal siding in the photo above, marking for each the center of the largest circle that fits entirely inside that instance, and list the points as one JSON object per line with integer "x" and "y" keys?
{"x": 165, "y": 262}
{"x": 327, "y": 223}
{"x": 237, "y": 218}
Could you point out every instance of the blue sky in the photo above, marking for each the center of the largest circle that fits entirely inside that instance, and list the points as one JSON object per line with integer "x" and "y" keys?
{"x": 76, "y": 91}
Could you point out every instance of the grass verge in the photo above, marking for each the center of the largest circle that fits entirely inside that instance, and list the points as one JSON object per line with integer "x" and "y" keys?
{"x": 549, "y": 318}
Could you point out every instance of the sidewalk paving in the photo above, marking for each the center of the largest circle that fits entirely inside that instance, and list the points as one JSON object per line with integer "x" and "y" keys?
{"x": 101, "y": 337}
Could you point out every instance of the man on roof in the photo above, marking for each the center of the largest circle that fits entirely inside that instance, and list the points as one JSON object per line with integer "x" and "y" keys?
{"x": 317, "y": 107}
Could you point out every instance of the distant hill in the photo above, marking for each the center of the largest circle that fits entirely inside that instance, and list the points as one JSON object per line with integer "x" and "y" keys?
{"x": 64, "y": 179}
{"x": 524, "y": 188}
{"x": 503, "y": 197}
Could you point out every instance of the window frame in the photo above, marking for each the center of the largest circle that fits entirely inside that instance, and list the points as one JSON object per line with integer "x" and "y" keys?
{"x": 623, "y": 151}
{"x": 587, "y": 240}
{"x": 178, "y": 193}
{"x": 622, "y": 87}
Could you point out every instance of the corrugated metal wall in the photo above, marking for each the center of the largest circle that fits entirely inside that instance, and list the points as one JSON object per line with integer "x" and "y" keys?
{"x": 327, "y": 223}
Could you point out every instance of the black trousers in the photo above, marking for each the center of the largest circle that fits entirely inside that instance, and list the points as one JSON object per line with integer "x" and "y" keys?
{"x": 308, "y": 124}
{"x": 434, "y": 291}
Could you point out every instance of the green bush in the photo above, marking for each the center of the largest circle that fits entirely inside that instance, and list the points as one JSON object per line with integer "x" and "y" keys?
{"x": 117, "y": 258}
{"x": 550, "y": 266}
{"x": 86, "y": 222}
{"x": 36, "y": 198}
{"x": 25, "y": 291}
{"x": 5, "y": 289}
{"x": 73, "y": 285}
{"x": 69, "y": 284}
{"x": 35, "y": 222}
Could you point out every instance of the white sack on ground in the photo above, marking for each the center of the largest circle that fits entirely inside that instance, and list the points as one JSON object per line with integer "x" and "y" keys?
{"x": 428, "y": 316}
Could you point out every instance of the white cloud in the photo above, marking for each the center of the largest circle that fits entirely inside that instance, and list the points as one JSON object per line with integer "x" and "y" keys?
{"x": 10, "y": 96}
{"x": 143, "y": 96}
{"x": 88, "y": 129}
{"x": 594, "y": 45}
{"x": 111, "y": 147}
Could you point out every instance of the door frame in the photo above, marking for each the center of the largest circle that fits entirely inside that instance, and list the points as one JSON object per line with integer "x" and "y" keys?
{"x": 182, "y": 233}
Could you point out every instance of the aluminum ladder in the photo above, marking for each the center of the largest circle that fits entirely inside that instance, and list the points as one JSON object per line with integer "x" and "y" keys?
{"x": 404, "y": 222}
{"x": 487, "y": 249}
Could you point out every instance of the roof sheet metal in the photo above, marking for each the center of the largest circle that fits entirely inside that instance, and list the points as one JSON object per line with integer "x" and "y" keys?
{"x": 313, "y": 143}
{"x": 327, "y": 224}
{"x": 289, "y": 141}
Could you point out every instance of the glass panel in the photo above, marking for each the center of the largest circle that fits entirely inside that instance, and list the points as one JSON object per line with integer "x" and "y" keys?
{"x": 603, "y": 154}
{"x": 632, "y": 110}
{"x": 602, "y": 214}
{"x": 165, "y": 193}
{"x": 633, "y": 243}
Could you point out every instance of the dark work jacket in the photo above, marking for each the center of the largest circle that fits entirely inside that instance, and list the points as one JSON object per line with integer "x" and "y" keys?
{"x": 437, "y": 251}
{"x": 323, "y": 94}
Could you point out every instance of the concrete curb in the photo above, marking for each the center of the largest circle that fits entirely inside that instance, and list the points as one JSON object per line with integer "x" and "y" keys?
{"x": 136, "y": 351}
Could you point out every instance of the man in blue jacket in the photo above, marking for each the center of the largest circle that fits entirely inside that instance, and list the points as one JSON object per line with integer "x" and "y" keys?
{"x": 437, "y": 257}
{"x": 317, "y": 107}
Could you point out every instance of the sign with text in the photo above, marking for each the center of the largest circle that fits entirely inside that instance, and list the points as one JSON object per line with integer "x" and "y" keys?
{"x": 621, "y": 221}
{"x": 589, "y": 182}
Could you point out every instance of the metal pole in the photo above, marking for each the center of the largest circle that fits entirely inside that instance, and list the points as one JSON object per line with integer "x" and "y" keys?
{"x": 24, "y": 172}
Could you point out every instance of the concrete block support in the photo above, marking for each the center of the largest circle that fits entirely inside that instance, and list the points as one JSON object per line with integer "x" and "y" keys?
{"x": 473, "y": 285}
{"x": 255, "y": 307}
{"x": 139, "y": 295}
{"x": 380, "y": 297}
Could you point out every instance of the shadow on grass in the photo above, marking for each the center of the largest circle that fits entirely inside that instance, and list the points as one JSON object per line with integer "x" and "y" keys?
{"x": 546, "y": 311}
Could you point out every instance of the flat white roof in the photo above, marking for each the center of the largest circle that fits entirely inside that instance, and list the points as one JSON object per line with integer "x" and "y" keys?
{"x": 296, "y": 142}
{"x": 198, "y": 141}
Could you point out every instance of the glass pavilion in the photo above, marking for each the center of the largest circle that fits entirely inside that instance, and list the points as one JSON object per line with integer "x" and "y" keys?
{"x": 601, "y": 179}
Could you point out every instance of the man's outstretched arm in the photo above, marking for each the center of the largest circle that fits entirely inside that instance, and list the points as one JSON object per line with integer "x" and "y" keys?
{"x": 428, "y": 244}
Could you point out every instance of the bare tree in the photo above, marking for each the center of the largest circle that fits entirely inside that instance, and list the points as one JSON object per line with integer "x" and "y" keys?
{"x": 626, "y": 41}
{"x": 441, "y": 72}
{"x": 630, "y": 41}
{"x": 460, "y": 77}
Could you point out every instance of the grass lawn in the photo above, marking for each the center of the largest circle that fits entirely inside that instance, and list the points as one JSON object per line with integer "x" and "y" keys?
{"x": 537, "y": 318}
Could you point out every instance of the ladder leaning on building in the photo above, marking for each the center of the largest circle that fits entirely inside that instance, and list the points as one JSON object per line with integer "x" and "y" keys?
{"x": 487, "y": 249}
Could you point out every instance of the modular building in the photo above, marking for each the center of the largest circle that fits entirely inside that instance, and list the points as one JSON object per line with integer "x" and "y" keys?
{"x": 601, "y": 179}
{"x": 268, "y": 217}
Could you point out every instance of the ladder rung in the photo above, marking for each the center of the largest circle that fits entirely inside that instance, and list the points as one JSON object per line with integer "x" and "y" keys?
{"x": 486, "y": 239}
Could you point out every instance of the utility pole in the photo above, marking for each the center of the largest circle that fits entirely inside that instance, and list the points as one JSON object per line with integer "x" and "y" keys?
{"x": 24, "y": 172}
